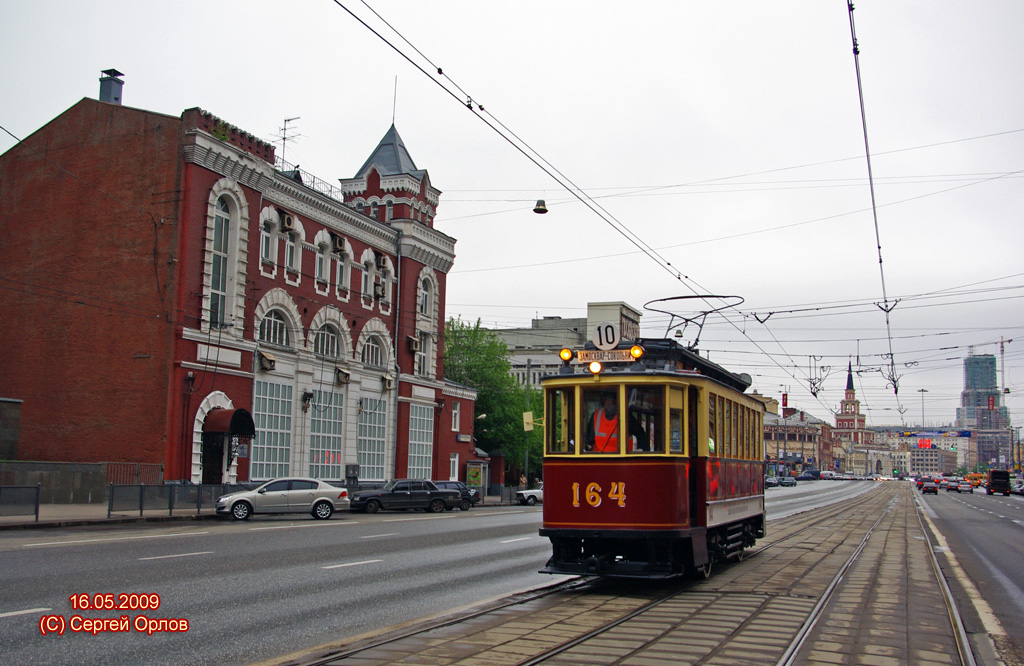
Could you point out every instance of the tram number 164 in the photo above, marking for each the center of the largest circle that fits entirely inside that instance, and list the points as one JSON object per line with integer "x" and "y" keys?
{"x": 592, "y": 494}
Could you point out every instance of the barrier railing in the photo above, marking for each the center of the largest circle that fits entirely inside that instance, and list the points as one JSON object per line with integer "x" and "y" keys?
{"x": 170, "y": 498}
{"x": 20, "y": 500}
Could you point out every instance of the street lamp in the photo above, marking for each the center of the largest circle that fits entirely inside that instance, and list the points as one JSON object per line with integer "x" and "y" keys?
{"x": 922, "y": 392}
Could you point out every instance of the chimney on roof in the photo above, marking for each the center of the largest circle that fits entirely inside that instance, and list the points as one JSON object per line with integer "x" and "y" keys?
{"x": 110, "y": 86}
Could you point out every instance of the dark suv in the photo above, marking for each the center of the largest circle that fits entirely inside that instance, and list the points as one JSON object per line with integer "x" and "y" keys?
{"x": 470, "y": 496}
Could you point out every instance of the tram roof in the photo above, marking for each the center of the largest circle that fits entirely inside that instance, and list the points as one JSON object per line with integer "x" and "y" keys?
{"x": 665, "y": 356}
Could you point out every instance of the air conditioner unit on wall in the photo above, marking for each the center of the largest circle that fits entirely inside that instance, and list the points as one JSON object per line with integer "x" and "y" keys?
{"x": 380, "y": 259}
{"x": 287, "y": 222}
{"x": 337, "y": 243}
{"x": 341, "y": 376}
{"x": 378, "y": 291}
{"x": 387, "y": 382}
{"x": 414, "y": 343}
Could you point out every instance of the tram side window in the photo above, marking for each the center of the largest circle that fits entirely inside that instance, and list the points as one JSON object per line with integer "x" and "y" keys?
{"x": 712, "y": 424}
{"x": 560, "y": 421}
{"x": 675, "y": 421}
{"x": 646, "y": 418}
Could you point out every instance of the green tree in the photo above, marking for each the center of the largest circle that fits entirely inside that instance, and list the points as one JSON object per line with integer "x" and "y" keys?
{"x": 478, "y": 357}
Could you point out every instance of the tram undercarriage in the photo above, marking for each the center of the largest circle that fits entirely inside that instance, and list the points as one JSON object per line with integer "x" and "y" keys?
{"x": 648, "y": 554}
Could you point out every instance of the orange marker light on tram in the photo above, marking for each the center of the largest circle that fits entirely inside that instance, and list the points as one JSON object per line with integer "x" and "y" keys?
{"x": 566, "y": 355}
{"x": 636, "y": 351}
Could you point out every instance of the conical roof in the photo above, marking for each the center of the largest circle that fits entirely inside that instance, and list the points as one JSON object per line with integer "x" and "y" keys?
{"x": 391, "y": 157}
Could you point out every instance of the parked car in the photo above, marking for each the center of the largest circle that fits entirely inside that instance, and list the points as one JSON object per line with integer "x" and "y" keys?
{"x": 965, "y": 487}
{"x": 787, "y": 481}
{"x": 771, "y": 482}
{"x": 930, "y": 487}
{"x": 1018, "y": 488}
{"x": 405, "y": 494}
{"x": 470, "y": 496}
{"x": 531, "y": 497}
{"x": 286, "y": 495}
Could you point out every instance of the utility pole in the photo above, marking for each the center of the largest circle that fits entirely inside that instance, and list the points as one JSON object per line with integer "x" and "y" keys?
{"x": 922, "y": 392}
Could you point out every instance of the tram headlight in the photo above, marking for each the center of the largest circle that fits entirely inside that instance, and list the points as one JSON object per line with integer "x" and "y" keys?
{"x": 595, "y": 367}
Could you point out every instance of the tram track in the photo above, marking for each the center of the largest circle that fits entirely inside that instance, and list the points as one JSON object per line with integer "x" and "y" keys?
{"x": 580, "y": 612}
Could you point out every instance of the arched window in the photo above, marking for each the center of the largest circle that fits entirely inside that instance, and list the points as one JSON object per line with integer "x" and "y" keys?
{"x": 326, "y": 342}
{"x": 273, "y": 329}
{"x": 219, "y": 267}
{"x": 373, "y": 353}
{"x": 426, "y": 302}
{"x": 321, "y": 264}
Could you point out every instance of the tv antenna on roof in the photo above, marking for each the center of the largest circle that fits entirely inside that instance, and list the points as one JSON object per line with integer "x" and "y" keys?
{"x": 283, "y": 138}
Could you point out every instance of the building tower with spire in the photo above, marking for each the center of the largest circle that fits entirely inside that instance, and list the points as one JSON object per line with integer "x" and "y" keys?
{"x": 851, "y": 425}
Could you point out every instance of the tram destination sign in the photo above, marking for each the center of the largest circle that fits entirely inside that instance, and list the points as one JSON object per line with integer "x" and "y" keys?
{"x": 603, "y": 356}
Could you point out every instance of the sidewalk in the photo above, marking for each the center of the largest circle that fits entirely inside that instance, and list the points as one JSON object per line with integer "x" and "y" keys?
{"x": 68, "y": 515}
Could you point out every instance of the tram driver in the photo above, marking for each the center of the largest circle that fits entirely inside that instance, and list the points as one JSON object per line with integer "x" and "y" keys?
{"x": 603, "y": 428}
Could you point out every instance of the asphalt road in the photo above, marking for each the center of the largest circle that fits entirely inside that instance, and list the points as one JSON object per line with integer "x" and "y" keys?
{"x": 255, "y": 590}
{"x": 275, "y": 585}
{"x": 986, "y": 534}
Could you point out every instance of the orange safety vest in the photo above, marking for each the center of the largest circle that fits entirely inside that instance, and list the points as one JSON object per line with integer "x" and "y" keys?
{"x": 606, "y": 433}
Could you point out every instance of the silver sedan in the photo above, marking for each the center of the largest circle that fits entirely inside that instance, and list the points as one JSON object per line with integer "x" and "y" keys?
{"x": 287, "y": 495}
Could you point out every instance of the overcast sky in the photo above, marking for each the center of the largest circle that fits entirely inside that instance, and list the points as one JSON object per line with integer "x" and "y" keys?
{"x": 725, "y": 137}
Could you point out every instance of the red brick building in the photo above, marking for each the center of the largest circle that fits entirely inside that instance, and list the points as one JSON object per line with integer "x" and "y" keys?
{"x": 171, "y": 297}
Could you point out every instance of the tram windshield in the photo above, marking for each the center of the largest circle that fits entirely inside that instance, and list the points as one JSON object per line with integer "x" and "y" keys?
{"x": 602, "y": 428}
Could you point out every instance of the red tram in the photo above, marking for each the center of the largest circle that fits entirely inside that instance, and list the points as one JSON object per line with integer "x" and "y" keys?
{"x": 668, "y": 489}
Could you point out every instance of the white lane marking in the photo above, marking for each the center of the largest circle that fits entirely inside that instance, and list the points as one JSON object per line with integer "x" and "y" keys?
{"x": 351, "y": 564}
{"x": 405, "y": 520}
{"x": 1019, "y": 522}
{"x": 297, "y": 525}
{"x": 147, "y": 536}
{"x": 519, "y": 539}
{"x": 167, "y": 557}
{"x": 988, "y": 618}
{"x": 24, "y": 612}
{"x": 377, "y": 536}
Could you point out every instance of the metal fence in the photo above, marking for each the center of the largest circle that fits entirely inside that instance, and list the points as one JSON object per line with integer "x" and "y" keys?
{"x": 20, "y": 500}
{"x": 139, "y": 498}
{"x": 124, "y": 473}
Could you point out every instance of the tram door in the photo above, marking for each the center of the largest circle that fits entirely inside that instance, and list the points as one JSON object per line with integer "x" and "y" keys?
{"x": 693, "y": 450}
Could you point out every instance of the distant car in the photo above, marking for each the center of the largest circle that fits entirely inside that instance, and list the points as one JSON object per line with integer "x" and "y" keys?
{"x": 531, "y": 497}
{"x": 470, "y": 496}
{"x": 771, "y": 482}
{"x": 406, "y": 494}
{"x": 1018, "y": 488}
{"x": 930, "y": 487}
{"x": 965, "y": 487}
{"x": 806, "y": 477}
{"x": 787, "y": 481}
{"x": 952, "y": 485}
{"x": 287, "y": 495}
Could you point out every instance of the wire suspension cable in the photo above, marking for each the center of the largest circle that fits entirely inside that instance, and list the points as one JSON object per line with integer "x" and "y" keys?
{"x": 885, "y": 307}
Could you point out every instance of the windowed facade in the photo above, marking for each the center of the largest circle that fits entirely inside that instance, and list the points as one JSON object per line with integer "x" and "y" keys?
{"x": 426, "y": 300}
{"x": 326, "y": 342}
{"x": 370, "y": 445}
{"x": 219, "y": 265}
{"x": 274, "y": 330}
{"x": 266, "y": 244}
{"x": 272, "y": 414}
{"x": 373, "y": 354}
{"x": 421, "y": 441}
{"x": 325, "y": 435}
{"x": 291, "y": 253}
